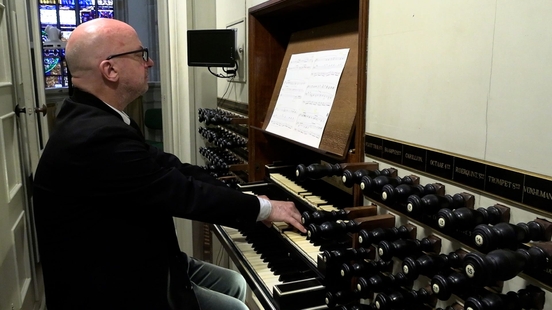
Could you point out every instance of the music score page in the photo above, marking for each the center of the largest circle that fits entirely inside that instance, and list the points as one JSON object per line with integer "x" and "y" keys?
{"x": 307, "y": 95}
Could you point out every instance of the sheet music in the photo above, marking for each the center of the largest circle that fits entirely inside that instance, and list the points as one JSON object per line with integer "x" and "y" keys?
{"x": 307, "y": 95}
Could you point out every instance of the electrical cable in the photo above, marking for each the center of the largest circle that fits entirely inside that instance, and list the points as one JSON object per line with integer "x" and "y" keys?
{"x": 233, "y": 71}
{"x": 221, "y": 100}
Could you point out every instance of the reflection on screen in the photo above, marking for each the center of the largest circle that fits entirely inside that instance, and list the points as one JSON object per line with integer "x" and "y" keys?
{"x": 48, "y": 15}
{"x": 67, "y": 17}
{"x": 106, "y": 14}
{"x": 52, "y": 66}
{"x": 86, "y": 16}
{"x": 82, "y": 3}
{"x": 65, "y": 35}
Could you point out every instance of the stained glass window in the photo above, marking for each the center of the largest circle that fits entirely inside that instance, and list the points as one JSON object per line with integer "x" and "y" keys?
{"x": 65, "y": 15}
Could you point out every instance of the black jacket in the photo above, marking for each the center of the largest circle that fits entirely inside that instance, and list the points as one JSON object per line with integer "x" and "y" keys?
{"x": 103, "y": 204}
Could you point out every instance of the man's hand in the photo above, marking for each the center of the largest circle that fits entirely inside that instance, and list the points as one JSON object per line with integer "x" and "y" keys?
{"x": 285, "y": 211}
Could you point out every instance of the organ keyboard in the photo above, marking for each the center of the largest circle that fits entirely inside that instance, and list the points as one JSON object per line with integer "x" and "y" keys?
{"x": 277, "y": 275}
{"x": 283, "y": 286}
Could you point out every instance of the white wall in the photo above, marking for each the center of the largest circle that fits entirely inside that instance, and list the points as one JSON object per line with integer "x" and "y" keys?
{"x": 252, "y": 3}
{"x": 468, "y": 77}
{"x": 228, "y": 12}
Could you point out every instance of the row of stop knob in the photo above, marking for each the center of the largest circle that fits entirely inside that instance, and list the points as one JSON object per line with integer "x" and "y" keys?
{"x": 488, "y": 227}
{"x": 369, "y": 226}
{"x": 419, "y": 256}
{"x": 459, "y": 272}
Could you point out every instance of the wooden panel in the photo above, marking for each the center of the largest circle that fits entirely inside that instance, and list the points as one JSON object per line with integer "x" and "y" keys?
{"x": 279, "y": 28}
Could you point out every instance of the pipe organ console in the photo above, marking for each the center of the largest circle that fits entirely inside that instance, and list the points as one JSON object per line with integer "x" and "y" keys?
{"x": 380, "y": 234}
{"x": 355, "y": 251}
{"x": 392, "y": 252}
{"x": 350, "y": 256}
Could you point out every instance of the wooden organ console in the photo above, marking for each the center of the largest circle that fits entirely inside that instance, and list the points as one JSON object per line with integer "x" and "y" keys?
{"x": 380, "y": 234}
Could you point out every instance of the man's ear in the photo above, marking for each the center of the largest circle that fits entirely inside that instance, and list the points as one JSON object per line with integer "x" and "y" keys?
{"x": 109, "y": 71}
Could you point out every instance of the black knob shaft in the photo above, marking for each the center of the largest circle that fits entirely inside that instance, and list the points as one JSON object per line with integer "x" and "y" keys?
{"x": 400, "y": 193}
{"x": 350, "y": 178}
{"x": 328, "y": 230}
{"x": 430, "y": 264}
{"x": 363, "y": 268}
{"x": 455, "y": 283}
{"x": 368, "y": 237}
{"x": 320, "y": 216}
{"x": 503, "y": 264}
{"x": 431, "y": 203}
{"x": 317, "y": 171}
{"x": 375, "y": 185}
{"x": 402, "y": 300}
{"x": 341, "y": 297}
{"x": 506, "y": 235}
{"x": 402, "y": 247}
{"x": 529, "y": 298}
{"x": 466, "y": 218}
{"x": 381, "y": 282}
{"x": 356, "y": 307}
{"x": 344, "y": 255}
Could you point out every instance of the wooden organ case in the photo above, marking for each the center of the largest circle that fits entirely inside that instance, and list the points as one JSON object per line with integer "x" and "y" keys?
{"x": 380, "y": 235}
{"x": 277, "y": 30}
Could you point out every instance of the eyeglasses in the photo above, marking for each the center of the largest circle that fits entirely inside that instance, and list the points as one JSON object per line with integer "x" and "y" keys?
{"x": 144, "y": 50}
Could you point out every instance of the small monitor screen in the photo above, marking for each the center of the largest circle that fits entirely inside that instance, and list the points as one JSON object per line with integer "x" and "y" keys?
{"x": 211, "y": 48}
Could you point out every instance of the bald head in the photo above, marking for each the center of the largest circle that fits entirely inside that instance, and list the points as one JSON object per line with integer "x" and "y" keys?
{"x": 93, "y": 41}
{"x": 86, "y": 53}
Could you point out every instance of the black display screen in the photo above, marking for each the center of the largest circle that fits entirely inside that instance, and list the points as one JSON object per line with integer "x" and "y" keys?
{"x": 211, "y": 48}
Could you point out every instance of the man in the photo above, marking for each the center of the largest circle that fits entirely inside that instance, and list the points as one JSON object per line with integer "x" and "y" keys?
{"x": 104, "y": 199}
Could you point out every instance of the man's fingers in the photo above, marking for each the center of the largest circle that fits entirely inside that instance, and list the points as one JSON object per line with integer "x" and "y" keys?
{"x": 285, "y": 211}
{"x": 298, "y": 225}
{"x": 296, "y": 220}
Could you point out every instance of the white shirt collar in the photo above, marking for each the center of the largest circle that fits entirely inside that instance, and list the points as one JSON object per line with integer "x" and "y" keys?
{"x": 125, "y": 117}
